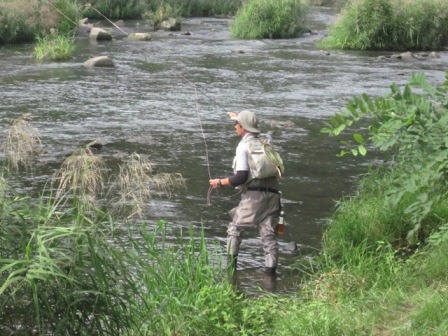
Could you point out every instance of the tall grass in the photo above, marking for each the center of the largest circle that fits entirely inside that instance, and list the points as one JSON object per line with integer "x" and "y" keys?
{"x": 23, "y": 20}
{"x": 390, "y": 25}
{"x": 270, "y": 19}
{"x": 68, "y": 278}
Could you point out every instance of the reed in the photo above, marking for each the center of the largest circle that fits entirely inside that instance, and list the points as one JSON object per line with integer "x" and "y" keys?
{"x": 21, "y": 144}
{"x": 82, "y": 176}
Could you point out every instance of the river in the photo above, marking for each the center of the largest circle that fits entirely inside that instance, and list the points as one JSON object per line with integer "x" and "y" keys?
{"x": 168, "y": 99}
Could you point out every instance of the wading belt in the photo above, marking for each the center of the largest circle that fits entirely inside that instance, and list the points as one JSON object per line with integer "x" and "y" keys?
{"x": 262, "y": 189}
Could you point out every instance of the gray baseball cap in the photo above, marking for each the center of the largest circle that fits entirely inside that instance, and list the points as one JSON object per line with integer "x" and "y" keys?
{"x": 248, "y": 120}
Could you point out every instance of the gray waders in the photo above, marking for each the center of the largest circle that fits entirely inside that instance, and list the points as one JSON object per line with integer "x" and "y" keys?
{"x": 259, "y": 206}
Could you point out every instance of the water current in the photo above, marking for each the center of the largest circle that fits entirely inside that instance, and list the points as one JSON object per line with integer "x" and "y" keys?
{"x": 168, "y": 99}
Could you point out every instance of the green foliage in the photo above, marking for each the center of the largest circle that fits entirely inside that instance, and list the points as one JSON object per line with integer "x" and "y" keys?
{"x": 413, "y": 126}
{"x": 114, "y": 9}
{"x": 54, "y": 47}
{"x": 270, "y": 19}
{"x": 390, "y": 25}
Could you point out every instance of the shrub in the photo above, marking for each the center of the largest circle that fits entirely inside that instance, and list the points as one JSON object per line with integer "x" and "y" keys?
{"x": 270, "y": 19}
{"x": 390, "y": 25}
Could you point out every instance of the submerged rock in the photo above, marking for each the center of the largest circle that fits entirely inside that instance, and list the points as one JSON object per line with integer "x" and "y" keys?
{"x": 99, "y": 61}
{"x": 291, "y": 247}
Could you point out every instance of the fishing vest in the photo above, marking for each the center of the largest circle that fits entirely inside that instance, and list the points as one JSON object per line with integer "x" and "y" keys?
{"x": 264, "y": 161}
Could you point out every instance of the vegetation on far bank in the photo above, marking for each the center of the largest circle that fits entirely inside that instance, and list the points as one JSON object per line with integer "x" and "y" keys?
{"x": 362, "y": 24}
{"x": 390, "y": 25}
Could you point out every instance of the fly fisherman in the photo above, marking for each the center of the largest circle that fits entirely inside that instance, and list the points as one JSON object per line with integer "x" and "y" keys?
{"x": 260, "y": 199}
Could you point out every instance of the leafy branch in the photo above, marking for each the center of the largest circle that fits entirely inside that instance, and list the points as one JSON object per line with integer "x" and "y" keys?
{"x": 412, "y": 123}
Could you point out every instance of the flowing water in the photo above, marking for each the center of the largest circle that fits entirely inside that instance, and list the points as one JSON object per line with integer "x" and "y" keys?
{"x": 168, "y": 98}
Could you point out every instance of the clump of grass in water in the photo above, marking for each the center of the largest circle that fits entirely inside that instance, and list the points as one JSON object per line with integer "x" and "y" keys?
{"x": 21, "y": 143}
{"x": 136, "y": 184}
{"x": 54, "y": 47}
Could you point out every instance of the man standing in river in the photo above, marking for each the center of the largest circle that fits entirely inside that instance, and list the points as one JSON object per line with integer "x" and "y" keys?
{"x": 260, "y": 200}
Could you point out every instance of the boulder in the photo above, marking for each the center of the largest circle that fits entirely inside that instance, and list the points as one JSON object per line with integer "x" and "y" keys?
{"x": 140, "y": 36}
{"x": 100, "y": 34}
{"x": 403, "y": 56}
{"x": 99, "y": 61}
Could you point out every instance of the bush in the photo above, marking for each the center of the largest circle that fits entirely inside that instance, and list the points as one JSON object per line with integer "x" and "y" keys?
{"x": 390, "y": 25}
{"x": 270, "y": 19}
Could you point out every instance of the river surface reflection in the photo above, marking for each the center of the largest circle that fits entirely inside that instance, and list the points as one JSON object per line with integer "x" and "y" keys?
{"x": 168, "y": 99}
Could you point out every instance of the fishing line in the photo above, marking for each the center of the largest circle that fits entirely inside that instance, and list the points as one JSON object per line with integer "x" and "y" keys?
{"x": 207, "y": 161}
{"x": 210, "y": 189}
